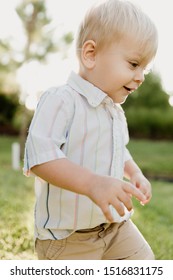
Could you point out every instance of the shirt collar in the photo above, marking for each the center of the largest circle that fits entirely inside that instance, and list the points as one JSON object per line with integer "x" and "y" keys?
{"x": 94, "y": 95}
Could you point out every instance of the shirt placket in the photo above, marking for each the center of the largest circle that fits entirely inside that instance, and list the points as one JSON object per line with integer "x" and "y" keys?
{"x": 117, "y": 160}
{"x": 117, "y": 137}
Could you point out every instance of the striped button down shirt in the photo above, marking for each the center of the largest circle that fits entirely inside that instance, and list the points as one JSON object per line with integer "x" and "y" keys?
{"x": 80, "y": 122}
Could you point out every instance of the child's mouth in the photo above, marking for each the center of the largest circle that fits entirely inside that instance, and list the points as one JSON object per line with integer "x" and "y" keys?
{"x": 130, "y": 90}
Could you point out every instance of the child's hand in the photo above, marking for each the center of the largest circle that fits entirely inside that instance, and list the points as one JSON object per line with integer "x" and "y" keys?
{"x": 105, "y": 191}
{"x": 141, "y": 182}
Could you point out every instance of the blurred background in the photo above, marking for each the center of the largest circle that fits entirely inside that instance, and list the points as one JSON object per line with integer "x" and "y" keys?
{"x": 37, "y": 40}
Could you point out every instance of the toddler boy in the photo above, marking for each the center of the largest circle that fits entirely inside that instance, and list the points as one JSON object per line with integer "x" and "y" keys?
{"x": 76, "y": 145}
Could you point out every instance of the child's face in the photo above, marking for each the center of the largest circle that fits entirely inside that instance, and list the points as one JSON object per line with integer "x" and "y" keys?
{"x": 119, "y": 69}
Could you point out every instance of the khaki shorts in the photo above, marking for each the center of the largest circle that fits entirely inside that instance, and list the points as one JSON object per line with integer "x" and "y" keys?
{"x": 105, "y": 242}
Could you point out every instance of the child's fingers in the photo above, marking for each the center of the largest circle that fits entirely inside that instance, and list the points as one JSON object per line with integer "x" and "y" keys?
{"x": 106, "y": 211}
{"x": 147, "y": 192}
{"x": 126, "y": 199}
{"x": 117, "y": 204}
{"x": 148, "y": 198}
{"x": 129, "y": 188}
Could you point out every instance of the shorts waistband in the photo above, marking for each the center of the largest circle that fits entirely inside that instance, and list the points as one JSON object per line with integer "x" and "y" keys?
{"x": 97, "y": 228}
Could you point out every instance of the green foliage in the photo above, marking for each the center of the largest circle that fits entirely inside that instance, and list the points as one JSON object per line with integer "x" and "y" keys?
{"x": 7, "y": 57}
{"x": 149, "y": 95}
{"x": 150, "y": 123}
{"x": 148, "y": 111}
{"x": 8, "y": 107}
{"x": 40, "y": 39}
{"x": 36, "y": 23}
{"x": 68, "y": 38}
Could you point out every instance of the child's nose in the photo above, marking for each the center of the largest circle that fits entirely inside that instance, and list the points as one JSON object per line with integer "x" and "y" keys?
{"x": 139, "y": 75}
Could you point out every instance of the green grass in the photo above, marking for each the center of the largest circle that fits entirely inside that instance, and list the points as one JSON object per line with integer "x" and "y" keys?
{"x": 155, "y": 220}
{"x": 16, "y": 204}
{"x": 154, "y": 157}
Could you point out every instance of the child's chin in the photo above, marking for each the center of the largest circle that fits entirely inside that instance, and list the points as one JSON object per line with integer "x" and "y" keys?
{"x": 123, "y": 100}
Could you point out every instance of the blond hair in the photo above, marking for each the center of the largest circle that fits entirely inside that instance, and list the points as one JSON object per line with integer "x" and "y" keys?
{"x": 109, "y": 21}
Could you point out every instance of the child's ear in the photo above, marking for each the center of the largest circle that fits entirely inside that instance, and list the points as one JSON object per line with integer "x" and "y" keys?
{"x": 88, "y": 54}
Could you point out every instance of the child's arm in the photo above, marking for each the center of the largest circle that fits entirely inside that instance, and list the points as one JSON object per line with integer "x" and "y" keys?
{"x": 103, "y": 190}
{"x": 134, "y": 173}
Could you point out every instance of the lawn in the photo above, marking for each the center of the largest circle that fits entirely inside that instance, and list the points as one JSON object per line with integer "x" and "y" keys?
{"x": 16, "y": 204}
{"x": 154, "y": 157}
{"x": 155, "y": 220}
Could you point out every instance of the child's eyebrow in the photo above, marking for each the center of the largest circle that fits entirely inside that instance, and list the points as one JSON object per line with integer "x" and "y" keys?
{"x": 134, "y": 58}
{"x": 135, "y": 55}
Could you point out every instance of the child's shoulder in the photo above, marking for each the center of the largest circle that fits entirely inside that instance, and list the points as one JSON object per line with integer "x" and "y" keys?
{"x": 56, "y": 93}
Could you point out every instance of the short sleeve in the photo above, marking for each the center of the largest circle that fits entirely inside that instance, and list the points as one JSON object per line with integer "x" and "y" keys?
{"x": 48, "y": 129}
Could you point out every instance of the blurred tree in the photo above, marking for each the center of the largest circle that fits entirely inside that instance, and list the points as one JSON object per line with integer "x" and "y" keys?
{"x": 39, "y": 42}
{"x": 7, "y": 67}
{"x": 148, "y": 110}
{"x": 39, "y": 37}
{"x": 149, "y": 95}
{"x": 8, "y": 108}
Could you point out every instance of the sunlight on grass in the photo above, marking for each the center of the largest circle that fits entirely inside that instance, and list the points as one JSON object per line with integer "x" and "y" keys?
{"x": 17, "y": 204}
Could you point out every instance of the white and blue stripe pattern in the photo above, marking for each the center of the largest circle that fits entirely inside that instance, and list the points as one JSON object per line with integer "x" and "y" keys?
{"x": 80, "y": 122}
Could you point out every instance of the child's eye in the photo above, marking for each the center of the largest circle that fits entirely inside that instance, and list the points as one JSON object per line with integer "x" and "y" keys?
{"x": 134, "y": 64}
